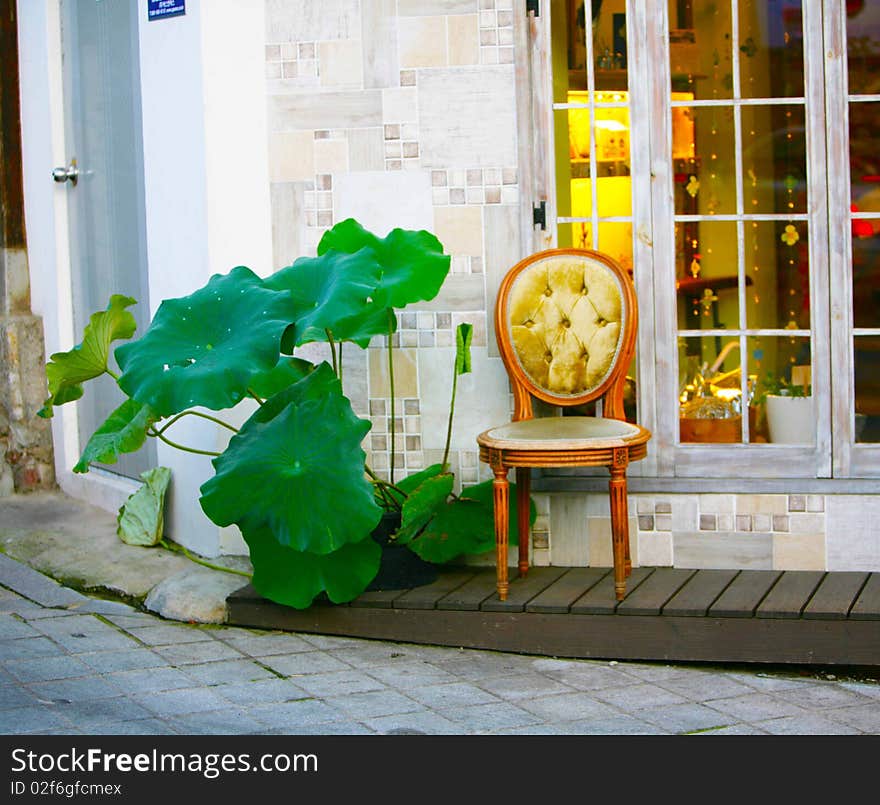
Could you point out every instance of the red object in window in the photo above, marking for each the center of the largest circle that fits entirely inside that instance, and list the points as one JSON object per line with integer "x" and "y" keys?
{"x": 860, "y": 228}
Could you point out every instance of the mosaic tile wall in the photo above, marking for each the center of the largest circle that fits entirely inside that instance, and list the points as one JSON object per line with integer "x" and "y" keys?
{"x": 402, "y": 113}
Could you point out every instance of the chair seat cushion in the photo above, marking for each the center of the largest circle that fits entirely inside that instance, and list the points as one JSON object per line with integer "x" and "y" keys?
{"x": 561, "y": 432}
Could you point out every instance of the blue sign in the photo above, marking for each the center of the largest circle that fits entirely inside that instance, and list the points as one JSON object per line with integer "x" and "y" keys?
{"x": 160, "y": 9}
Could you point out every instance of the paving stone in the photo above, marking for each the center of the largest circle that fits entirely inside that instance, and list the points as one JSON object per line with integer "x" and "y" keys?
{"x": 307, "y": 662}
{"x": 822, "y": 695}
{"x": 203, "y": 651}
{"x": 12, "y": 628}
{"x": 26, "y": 648}
{"x": 324, "y": 728}
{"x": 42, "y": 669}
{"x": 295, "y": 715}
{"x": 807, "y": 724}
{"x": 620, "y": 724}
{"x": 35, "y": 586}
{"x": 167, "y": 635}
{"x": 262, "y": 691}
{"x": 685, "y": 718}
{"x": 419, "y": 722}
{"x": 864, "y": 719}
{"x": 15, "y": 696}
{"x": 586, "y": 677}
{"x": 482, "y": 718}
{"x": 338, "y": 683}
{"x": 179, "y": 701}
{"x": 142, "y": 726}
{"x": 75, "y": 690}
{"x": 144, "y": 680}
{"x": 410, "y": 674}
{"x": 522, "y": 686}
{"x": 230, "y": 721}
{"x": 736, "y": 729}
{"x": 636, "y": 697}
{"x": 225, "y": 671}
{"x": 704, "y": 686}
{"x": 266, "y": 645}
{"x": 34, "y": 719}
{"x": 123, "y": 660}
{"x": 451, "y": 695}
{"x": 93, "y": 715}
{"x": 568, "y": 707}
{"x": 373, "y": 704}
{"x": 755, "y": 707}
{"x": 375, "y": 654}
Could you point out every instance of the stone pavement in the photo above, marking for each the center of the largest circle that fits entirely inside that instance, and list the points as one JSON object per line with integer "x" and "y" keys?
{"x": 75, "y": 663}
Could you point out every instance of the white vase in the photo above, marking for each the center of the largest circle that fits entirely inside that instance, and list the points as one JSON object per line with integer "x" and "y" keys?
{"x": 790, "y": 419}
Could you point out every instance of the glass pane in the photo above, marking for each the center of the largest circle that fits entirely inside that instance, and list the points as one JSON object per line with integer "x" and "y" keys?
{"x": 780, "y": 382}
{"x": 705, "y": 183}
{"x": 777, "y": 275}
{"x": 864, "y": 157}
{"x": 710, "y": 390}
{"x": 863, "y": 46}
{"x": 866, "y": 273}
{"x": 700, "y": 48}
{"x": 867, "y": 377}
{"x": 707, "y": 280}
{"x": 774, "y": 160}
{"x": 771, "y": 48}
{"x": 608, "y": 24}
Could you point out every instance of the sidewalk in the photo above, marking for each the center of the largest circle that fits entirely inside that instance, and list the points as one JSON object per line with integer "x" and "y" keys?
{"x": 132, "y": 641}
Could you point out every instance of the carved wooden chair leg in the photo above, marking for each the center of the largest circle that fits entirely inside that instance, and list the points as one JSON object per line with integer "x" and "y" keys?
{"x": 523, "y": 490}
{"x": 500, "y": 500}
{"x": 619, "y": 529}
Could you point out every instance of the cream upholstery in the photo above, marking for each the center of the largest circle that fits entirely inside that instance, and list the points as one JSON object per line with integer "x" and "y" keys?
{"x": 561, "y": 432}
{"x": 566, "y": 319}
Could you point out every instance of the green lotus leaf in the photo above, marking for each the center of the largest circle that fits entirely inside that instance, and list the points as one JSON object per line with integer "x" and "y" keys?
{"x": 296, "y": 467}
{"x": 338, "y": 292}
{"x": 67, "y": 371}
{"x": 422, "y": 504}
{"x": 465, "y": 525}
{"x": 294, "y": 578}
{"x": 206, "y": 348}
{"x": 412, "y": 261}
{"x": 409, "y": 483}
{"x": 141, "y": 520}
{"x": 124, "y": 431}
{"x": 286, "y": 372}
{"x": 463, "y": 335}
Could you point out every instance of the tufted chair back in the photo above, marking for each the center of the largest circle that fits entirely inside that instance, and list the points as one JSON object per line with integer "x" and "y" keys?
{"x": 565, "y": 323}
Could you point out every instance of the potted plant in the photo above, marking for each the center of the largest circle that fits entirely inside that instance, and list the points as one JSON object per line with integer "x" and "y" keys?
{"x": 788, "y": 408}
{"x": 293, "y": 478}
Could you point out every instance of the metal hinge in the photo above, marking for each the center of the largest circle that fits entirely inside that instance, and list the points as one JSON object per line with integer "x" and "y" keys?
{"x": 533, "y": 5}
{"x": 539, "y": 214}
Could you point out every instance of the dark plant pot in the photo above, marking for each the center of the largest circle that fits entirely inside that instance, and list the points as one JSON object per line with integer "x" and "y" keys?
{"x": 399, "y": 568}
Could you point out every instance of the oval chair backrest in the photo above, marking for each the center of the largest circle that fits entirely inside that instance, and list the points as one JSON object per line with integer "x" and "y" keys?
{"x": 565, "y": 322}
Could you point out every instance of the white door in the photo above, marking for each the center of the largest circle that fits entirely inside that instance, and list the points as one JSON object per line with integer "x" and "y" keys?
{"x": 105, "y": 189}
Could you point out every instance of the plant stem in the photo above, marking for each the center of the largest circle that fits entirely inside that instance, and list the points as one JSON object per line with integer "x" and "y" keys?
{"x": 112, "y": 374}
{"x": 449, "y": 425}
{"x": 185, "y": 449}
{"x": 210, "y": 418}
{"x": 340, "y": 362}
{"x": 332, "y": 351}
{"x": 391, "y": 384}
{"x": 257, "y": 397}
{"x": 180, "y": 549}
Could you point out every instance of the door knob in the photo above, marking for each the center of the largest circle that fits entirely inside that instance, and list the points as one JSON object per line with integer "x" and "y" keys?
{"x": 68, "y": 174}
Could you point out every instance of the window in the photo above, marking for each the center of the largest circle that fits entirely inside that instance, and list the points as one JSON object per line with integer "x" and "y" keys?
{"x": 697, "y": 142}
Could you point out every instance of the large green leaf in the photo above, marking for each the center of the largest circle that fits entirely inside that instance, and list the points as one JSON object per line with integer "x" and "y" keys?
{"x": 67, "y": 371}
{"x": 466, "y": 525}
{"x": 141, "y": 520}
{"x": 124, "y": 431}
{"x": 463, "y": 335}
{"x": 413, "y": 263}
{"x": 408, "y": 484}
{"x": 293, "y": 578}
{"x": 338, "y": 292}
{"x": 296, "y": 467}
{"x": 285, "y": 373}
{"x": 422, "y": 504}
{"x": 206, "y": 348}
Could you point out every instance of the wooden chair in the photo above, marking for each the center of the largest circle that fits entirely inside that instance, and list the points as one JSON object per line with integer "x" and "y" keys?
{"x": 565, "y": 321}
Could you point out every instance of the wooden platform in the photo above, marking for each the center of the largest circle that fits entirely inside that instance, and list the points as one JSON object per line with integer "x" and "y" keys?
{"x": 669, "y": 614}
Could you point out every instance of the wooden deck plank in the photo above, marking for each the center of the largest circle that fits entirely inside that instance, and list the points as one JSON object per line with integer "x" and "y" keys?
{"x": 867, "y": 605}
{"x": 745, "y": 593}
{"x": 790, "y": 594}
{"x": 700, "y": 592}
{"x": 427, "y": 596}
{"x": 835, "y": 596}
{"x": 523, "y": 589}
{"x": 377, "y": 598}
{"x": 563, "y": 592}
{"x": 600, "y": 600}
{"x": 651, "y": 595}
{"x": 472, "y": 593}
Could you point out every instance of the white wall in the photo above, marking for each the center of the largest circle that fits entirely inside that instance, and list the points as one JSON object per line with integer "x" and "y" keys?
{"x": 207, "y": 201}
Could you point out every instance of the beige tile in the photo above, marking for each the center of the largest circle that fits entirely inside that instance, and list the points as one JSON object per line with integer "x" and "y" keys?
{"x": 422, "y": 41}
{"x": 291, "y": 156}
{"x": 482, "y": 132}
{"x": 716, "y": 504}
{"x": 464, "y": 44}
{"x": 569, "y": 541}
{"x": 331, "y": 156}
{"x": 379, "y": 38}
{"x": 287, "y": 222}
{"x": 308, "y": 21}
{"x": 459, "y": 292}
{"x": 460, "y": 230}
{"x": 353, "y": 109}
{"x": 852, "y": 532}
{"x": 799, "y": 552}
{"x": 746, "y": 551}
{"x": 340, "y": 63}
{"x": 400, "y": 105}
{"x": 415, "y": 8}
{"x": 601, "y": 551}
{"x": 761, "y": 504}
{"x": 806, "y": 523}
{"x": 365, "y": 150}
{"x": 406, "y": 382}
{"x": 501, "y": 227}
{"x": 382, "y": 200}
{"x": 655, "y": 549}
